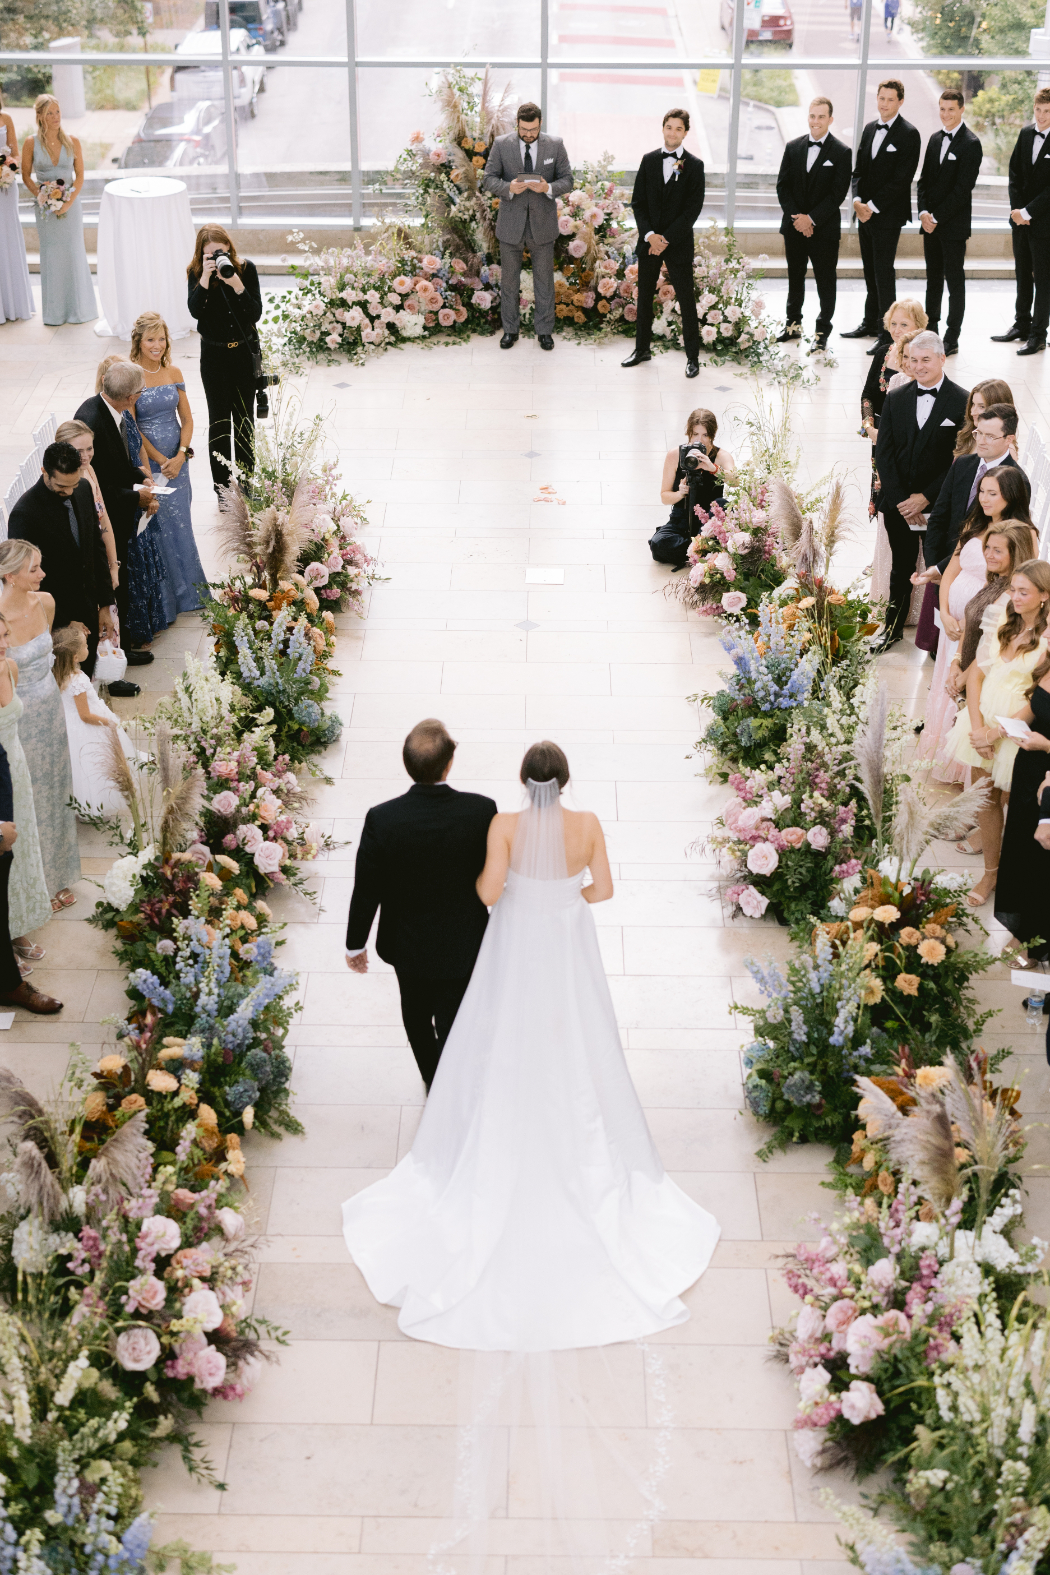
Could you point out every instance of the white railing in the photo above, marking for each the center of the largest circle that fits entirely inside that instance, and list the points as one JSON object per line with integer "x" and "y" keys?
{"x": 1035, "y": 461}
{"x": 28, "y": 471}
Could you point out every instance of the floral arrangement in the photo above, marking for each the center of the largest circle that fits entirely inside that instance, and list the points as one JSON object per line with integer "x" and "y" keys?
{"x": 733, "y": 558}
{"x": 731, "y": 326}
{"x": 774, "y": 673}
{"x": 8, "y": 171}
{"x": 51, "y": 196}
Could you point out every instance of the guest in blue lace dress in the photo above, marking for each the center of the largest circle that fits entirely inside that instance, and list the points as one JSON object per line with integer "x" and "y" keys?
{"x": 165, "y": 421}
{"x": 151, "y": 601}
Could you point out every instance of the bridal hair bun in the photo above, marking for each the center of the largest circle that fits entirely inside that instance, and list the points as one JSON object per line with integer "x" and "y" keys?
{"x": 545, "y": 762}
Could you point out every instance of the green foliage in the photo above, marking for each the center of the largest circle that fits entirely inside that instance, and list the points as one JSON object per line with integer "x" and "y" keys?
{"x": 998, "y": 113}
{"x": 776, "y": 88}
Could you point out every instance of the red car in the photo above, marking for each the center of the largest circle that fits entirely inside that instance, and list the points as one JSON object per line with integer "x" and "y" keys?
{"x": 765, "y": 21}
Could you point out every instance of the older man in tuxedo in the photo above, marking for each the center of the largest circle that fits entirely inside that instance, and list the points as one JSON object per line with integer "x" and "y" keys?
{"x": 991, "y": 436}
{"x": 417, "y": 863}
{"x": 917, "y": 432}
{"x": 125, "y": 488}
{"x": 887, "y": 158}
{"x": 667, "y": 199}
{"x": 811, "y": 188}
{"x": 1029, "y": 187}
{"x": 528, "y": 171}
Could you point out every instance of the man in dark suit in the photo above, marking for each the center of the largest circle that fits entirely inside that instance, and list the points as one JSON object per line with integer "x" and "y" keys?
{"x": 1029, "y": 187}
{"x": 887, "y": 159}
{"x": 117, "y": 477}
{"x": 917, "y": 432}
{"x": 991, "y": 437}
{"x": 949, "y": 174}
{"x": 418, "y": 860}
{"x": 668, "y": 198}
{"x": 528, "y": 171}
{"x": 14, "y": 990}
{"x": 58, "y": 516}
{"x": 811, "y": 187}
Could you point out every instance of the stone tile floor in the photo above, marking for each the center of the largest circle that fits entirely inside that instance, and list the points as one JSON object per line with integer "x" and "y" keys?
{"x": 341, "y": 1460}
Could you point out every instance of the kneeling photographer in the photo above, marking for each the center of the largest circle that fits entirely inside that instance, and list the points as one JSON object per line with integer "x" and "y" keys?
{"x": 225, "y": 299}
{"x": 694, "y": 475}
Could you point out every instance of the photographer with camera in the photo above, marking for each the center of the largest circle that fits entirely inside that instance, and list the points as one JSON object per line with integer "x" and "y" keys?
{"x": 694, "y": 476}
{"x": 225, "y": 299}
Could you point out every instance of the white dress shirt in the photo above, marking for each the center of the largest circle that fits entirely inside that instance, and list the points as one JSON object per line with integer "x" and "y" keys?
{"x": 537, "y": 173}
{"x": 118, "y": 416}
{"x": 813, "y": 151}
{"x": 882, "y": 131}
{"x": 1038, "y": 144}
{"x": 924, "y": 403}
{"x": 946, "y": 143}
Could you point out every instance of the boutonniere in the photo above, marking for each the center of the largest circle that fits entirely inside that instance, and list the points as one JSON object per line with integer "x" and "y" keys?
{"x": 679, "y": 165}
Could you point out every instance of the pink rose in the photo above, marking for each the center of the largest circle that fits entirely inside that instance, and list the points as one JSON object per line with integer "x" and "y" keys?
{"x": 867, "y": 1336}
{"x": 809, "y": 1443}
{"x": 458, "y": 266}
{"x": 225, "y": 803}
{"x": 810, "y": 1325}
{"x": 147, "y": 1292}
{"x": 565, "y": 224}
{"x": 209, "y": 1368}
{"x": 607, "y": 287}
{"x": 231, "y": 1223}
{"x": 577, "y": 248}
{"x": 446, "y": 317}
{"x": 763, "y": 858}
{"x": 630, "y": 313}
{"x": 749, "y": 818}
{"x": 250, "y": 837}
{"x": 813, "y": 1385}
{"x": 430, "y": 264}
{"x": 194, "y": 1261}
{"x": 315, "y": 574}
{"x": 752, "y": 902}
{"x": 861, "y": 1403}
{"x": 708, "y": 335}
{"x": 137, "y": 1349}
{"x": 482, "y": 299}
{"x": 224, "y": 768}
{"x": 267, "y": 858}
{"x": 203, "y": 1307}
{"x": 818, "y": 837}
{"x": 437, "y": 155}
{"x": 793, "y": 836}
{"x": 734, "y": 601}
{"x": 159, "y": 1234}
{"x": 882, "y": 1275}
{"x": 183, "y": 1199}
{"x": 840, "y": 1315}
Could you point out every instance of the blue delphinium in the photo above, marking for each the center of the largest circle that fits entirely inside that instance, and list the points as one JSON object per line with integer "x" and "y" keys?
{"x": 149, "y": 985}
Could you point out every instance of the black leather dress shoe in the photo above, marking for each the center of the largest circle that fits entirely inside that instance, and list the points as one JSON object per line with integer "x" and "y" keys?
{"x": 1033, "y": 347}
{"x": 880, "y": 341}
{"x": 546, "y": 341}
{"x": 636, "y": 358}
{"x": 139, "y": 658}
{"x": 1016, "y": 332}
{"x": 692, "y": 369}
{"x": 863, "y": 332}
{"x": 820, "y": 342}
{"x": 884, "y": 642}
{"x": 508, "y": 340}
{"x": 951, "y": 347}
{"x": 123, "y": 690}
{"x": 788, "y": 335}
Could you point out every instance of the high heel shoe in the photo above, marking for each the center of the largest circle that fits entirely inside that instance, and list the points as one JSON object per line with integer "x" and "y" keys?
{"x": 974, "y": 902}
{"x": 964, "y": 845}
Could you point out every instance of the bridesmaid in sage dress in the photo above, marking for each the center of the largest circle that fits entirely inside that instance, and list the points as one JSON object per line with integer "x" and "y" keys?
{"x": 16, "y": 295}
{"x": 165, "y": 421}
{"x": 66, "y": 292}
{"x": 28, "y": 613}
{"x": 29, "y": 905}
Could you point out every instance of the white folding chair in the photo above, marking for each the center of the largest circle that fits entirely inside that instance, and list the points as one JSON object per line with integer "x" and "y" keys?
{"x": 3, "y": 523}
{"x": 45, "y": 432}
{"x": 1041, "y": 519}
{"x": 13, "y": 493}
{"x": 29, "y": 470}
{"x": 1032, "y": 449}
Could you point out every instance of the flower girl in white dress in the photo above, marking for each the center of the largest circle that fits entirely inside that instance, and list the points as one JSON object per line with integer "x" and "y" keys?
{"x": 85, "y": 715}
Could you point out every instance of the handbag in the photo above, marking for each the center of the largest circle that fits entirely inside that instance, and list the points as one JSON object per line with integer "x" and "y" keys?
{"x": 110, "y": 664}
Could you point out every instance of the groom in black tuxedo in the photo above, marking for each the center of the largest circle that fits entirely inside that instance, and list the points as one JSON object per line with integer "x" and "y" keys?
{"x": 418, "y": 860}
{"x": 667, "y": 200}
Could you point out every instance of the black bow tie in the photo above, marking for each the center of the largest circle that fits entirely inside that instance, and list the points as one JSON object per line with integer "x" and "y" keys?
{"x": 674, "y": 156}
{"x": 812, "y": 144}
{"x": 883, "y": 125}
{"x": 1040, "y": 133}
{"x": 948, "y": 135}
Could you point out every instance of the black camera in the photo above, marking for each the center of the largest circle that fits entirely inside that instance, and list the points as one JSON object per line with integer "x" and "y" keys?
{"x": 223, "y": 265}
{"x": 264, "y": 381}
{"x": 689, "y": 457}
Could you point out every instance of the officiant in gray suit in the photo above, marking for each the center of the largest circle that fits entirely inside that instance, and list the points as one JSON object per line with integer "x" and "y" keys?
{"x": 528, "y": 171}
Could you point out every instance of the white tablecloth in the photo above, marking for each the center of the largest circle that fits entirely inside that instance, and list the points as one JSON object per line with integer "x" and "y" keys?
{"x": 145, "y": 239}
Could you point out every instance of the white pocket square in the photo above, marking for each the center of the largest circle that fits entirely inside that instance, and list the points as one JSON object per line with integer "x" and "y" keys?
{"x": 947, "y": 423}
{"x": 548, "y": 161}
{"x": 828, "y": 164}
{"x": 952, "y": 157}
{"x": 890, "y": 149}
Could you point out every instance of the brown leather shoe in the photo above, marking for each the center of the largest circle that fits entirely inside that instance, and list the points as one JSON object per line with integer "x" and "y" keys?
{"x": 32, "y": 1000}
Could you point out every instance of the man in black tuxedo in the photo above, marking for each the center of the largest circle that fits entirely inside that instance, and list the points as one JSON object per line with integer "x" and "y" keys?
{"x": 418, "y": 860}
{"x": 949, "y": 174}
{"x": 1029, "y": 188}
{"x": 117, "y": 477}
{"x": 58, "y": 516}
{"x": 991, "y": 437}
{"x": 917, "y": 432}
{"x": 811, "y": 187}
{"x": 667, "y": 200}
{"x": 887, "y": 159}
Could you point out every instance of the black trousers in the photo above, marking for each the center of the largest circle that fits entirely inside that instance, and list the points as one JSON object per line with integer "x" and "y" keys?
{"x": 428, "y": 1010}
{"x": 822, "y": 250}
{"x": 229, "y": 387}
{"x": 679, "y": 264}
{"x": 10, "y": 978}
{"x": 945, "y": 260}
{"x": 904, "y": 546}
{"x": 1032, "y": 270}
{"x": 878, "y": 252}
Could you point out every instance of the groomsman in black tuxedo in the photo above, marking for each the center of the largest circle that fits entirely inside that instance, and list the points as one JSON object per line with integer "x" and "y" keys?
{"x": 1029, "y": 187}
{"x": 917, "y": 432}
{"x": 667, "y": 200}
{"x": 811, "y": 187}
{"x": 949, "y": 174}
{"x": 887, "y": 159}
{"x": 417, "y": 863}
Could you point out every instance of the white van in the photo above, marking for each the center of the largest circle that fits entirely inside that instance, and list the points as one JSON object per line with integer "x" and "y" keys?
{"x": 205, "y": 81}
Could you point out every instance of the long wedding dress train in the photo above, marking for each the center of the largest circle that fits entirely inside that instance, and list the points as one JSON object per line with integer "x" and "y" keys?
{"x": 533, "y": 1212}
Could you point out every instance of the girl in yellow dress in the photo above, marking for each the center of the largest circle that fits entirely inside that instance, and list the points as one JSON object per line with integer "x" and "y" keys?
{"x": 996, "y": 685}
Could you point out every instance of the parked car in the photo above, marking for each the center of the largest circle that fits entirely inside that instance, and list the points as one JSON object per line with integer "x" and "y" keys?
{"x": 205, "y": 81}
{"x": 765, "y": 21}
{"x": 265, "y": 20}
{"x": 177, "y": 134}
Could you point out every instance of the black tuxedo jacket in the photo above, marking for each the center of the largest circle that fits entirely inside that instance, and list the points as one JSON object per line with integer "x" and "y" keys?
{"x": 886, "y": 179}
{"x": 1028, "y": 183}
{"x": 672, "y": 207}
{"x": 115, "y": 473}
{"x": 951, "y": 508}
{"x": 946, "y": 185}
{"x": 417, "y": 862}
{"x": 77, "y": 577}
{"x": 819, "y": 192}
{"x": 910, "y": 458}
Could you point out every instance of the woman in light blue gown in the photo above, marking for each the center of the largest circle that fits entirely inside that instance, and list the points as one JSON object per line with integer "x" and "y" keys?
{"x": 165, "y": 421}
{"x": 67, "y": 294}
{"x": 16, "y": 295}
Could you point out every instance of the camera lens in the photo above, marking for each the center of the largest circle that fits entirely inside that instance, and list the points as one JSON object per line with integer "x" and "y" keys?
{"x": 262, "y": 404}
{"x": 224, "y": 267}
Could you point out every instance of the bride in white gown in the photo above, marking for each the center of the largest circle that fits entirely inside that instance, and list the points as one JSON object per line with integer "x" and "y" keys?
{"x": 533, "y": 1212}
